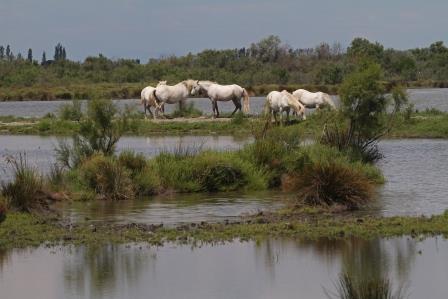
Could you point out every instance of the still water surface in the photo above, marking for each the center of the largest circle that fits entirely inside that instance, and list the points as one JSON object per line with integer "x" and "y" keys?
{"x": 415, "y": 170}
{"x": 422, "y": 99}
{"x": 273, "y": 268}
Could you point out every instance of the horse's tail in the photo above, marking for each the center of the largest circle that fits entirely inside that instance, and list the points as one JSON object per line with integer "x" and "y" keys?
{"x": 142, "y": 96}
{"x": 246, "y": 100}
{"x": 329, "y": 100}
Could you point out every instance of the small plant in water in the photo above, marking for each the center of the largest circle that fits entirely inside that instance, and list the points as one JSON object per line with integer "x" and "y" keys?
{"x": 24, "y": 192}
{"x": 349, "y": 287}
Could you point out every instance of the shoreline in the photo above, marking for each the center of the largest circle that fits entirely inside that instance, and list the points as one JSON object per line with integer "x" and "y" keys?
{"x": 420, "y": 125}
{"x": 21, "y": 230}
{"x": 128, "y": 91}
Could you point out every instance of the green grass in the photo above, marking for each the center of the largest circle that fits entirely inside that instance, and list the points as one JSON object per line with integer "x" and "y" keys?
{"x": 22, "y": 230}
{"x": 420, "y": 125}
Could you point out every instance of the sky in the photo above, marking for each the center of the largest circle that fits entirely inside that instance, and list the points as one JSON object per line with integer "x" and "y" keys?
{"x": 146, "y": 29}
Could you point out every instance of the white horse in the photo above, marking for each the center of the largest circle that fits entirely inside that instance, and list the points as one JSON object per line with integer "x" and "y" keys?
{"x": 148, "y": 99}
{"x": 172, "y": 94}
{"x": 314, "y": 99}
{"x": 283, "y": 101}
{"x": 216, "y": 92}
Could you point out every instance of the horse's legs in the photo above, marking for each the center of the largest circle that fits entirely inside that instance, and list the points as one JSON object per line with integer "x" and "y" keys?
{"x": 213, "y": 107}
{"x": 237, "y": 103}
{"x": 287, "y": 116}
{"x": 275, "y": 117}
{"x": 150, "y": 112}
{"x": 216, "y": 108}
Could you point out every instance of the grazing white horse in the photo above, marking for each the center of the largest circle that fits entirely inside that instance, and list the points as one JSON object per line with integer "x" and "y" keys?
{"x": 172, "y": 94}
{"x": 314, "y": 99}
{"x": 283, "y": 101}
{"x": 148, "y": 99}
{"x": 216, "y": 92}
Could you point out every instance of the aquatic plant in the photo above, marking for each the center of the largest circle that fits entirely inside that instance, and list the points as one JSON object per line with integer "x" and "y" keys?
{"x": 109, "y": 179}
{"x": 324, "y": 176}
{"x": 71, "y": 111}
{"x": 25, "y": 191}
{"x": 349, "y": 287}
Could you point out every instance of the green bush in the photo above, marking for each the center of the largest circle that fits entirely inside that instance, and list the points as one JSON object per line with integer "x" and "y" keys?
{"x": 24, "y": 192}
{"x": 3, "y": 209}
{"x": 71, "y": 111}
{"x": 132, "y": 161}
{"x": 324, "y": 176}
{"x": 109, "y": 179}
{"x": 207, "y": 171}
{"x": 147, "y": 182}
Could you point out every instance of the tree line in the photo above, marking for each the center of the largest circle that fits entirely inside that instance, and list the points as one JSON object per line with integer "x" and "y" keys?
{"x": 269, "y": 61}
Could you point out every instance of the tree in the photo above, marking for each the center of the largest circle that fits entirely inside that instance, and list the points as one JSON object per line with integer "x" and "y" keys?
{"x": 44, "y": 58}
{"x": 361, "y": 47}
{"x": 30, "y": 55}
{"x": 266, "y": 49}
{"x": 9, "y": 54}
{"x": 364, "y": 110}
{"x": 2, "y": 52}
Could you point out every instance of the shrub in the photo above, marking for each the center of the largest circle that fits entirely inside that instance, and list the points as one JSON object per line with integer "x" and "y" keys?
{"x": 109, "y": 179}
{"x": 3, "y": 209}
{"x": 221, "y": 177}
{"x": 71, "y": 111}
{"x": 56, "y": 177}
{"x": 324, "y": 176}
{"x": 132, "y": 161}
{"x": 24, "y": 192}
{"x": 147, "y": 182}
{"x": 334, "y": 183}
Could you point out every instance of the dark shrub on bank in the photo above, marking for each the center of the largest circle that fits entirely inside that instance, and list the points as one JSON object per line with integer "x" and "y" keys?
{"x": 3, "y": 209}
{"x": 109, "y": 179}
{"x": 132, "y": 161}
{"x": 24, "y": 191}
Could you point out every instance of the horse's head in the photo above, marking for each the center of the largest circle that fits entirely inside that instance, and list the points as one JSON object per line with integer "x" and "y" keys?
{"x": 195, "y": 87}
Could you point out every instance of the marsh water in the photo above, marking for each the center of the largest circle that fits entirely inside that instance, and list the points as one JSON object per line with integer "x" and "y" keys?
{"x": 416, "y": 173}
{"x": 422, "y": 99}
{"x": 415, "y": 170}
{"x": 272, "y": 268}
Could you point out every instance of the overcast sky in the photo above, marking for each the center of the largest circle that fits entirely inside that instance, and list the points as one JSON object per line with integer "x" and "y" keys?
{"x": 150, "y": 28}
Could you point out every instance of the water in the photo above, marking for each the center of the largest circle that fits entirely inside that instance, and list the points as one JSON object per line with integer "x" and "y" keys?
{"x": 40, "y": 149}
{"x": 174, "y": 209}
{"x": 273, "y": 268}
{"x": 415, "y": 170}
{"x": 422, "y": 99}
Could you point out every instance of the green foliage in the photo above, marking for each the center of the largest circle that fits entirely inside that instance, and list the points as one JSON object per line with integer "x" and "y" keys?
{"x": 71, "y": 111}
{"x": 109, "y": 179}
{"x": 328, "y": 178}
{"x": 3, "y": 209}
{"x": 24, "y": 192}
{"x": 364, "y": 118}
{"x": 99, "y": 132}
{"x": 269, "y": 61}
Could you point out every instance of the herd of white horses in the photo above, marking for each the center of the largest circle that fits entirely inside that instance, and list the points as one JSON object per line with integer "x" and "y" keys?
{"x": 277, "y": 102}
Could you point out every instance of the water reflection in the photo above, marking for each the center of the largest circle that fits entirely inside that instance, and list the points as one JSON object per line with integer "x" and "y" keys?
{"x": 273, "y": 268}
{"x": 175, "y": 208}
